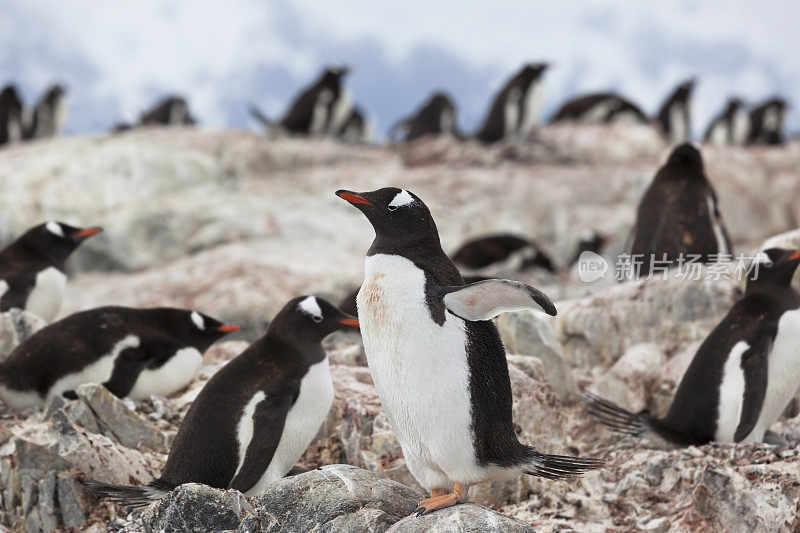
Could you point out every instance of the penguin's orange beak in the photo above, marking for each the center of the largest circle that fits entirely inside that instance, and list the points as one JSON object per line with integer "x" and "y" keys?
{"x": 88, "y": 232}
{"x": 794, "y": 256}
{"x": 229, "y": 328}
{"x": 352, "y": 322}
{"x": 352, "y": 198}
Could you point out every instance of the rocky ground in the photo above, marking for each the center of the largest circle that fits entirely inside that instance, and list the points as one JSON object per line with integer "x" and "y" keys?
{"x": 235, "y": 225}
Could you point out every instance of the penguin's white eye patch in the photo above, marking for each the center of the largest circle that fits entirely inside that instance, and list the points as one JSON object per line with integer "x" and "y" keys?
{"x": 311, "y": 307}
{"x": 401, "y": 199}
{"x": 54, "y": 228}
{"x": 198, "y": 320}
{"x": 762, "y": 259}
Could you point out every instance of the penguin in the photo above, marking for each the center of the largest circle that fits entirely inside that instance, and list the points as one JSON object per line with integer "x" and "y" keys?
{"x": 591, "y": 241}
{"x": 515, "y": 110}
{"x": 436, "y": 358}
{"x": 678, "y": 215}
{"x": 50, "y": 114}
{"x": 674, "y": 117}
{"x": 730, "y": 127}
{"x": 517, "y": 253}
{"x": 600, "y": 108}
{"x": 132, "y": 352}
{"x": 437, "y": 116}
{"x": 356, "y": 128}
{"x": 32, "y": 268}
{"x": 767, "y": 121}
{"x": 319, "y": 110}
{"x": 169, "y": 111}
{"x": 742, "y": 376}
{"x": 257, "y": 415}
{"x": 10, "y": 115}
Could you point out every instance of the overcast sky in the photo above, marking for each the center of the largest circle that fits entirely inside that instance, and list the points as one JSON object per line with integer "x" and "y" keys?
{"x": 117, "y": 58}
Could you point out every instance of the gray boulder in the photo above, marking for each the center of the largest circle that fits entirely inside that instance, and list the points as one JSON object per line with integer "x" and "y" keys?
{"x": 194, "y": 507}
{"x": 332, "y": 498}
{"x": 464, "y": 518}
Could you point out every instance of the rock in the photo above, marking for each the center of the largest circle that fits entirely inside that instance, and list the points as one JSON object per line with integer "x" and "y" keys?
{"x": 74, "y": 502}
{"x": 464, "y": 518}
{"x": 117, "y": 420}
{"x": 16, "y": 326}
{"x": 629, "y": 382}
{"x": 672, "y": 313}
{"x": 194, "y": 507}
{"x": 529, "y": 333}
{"x": 333, "y": 498}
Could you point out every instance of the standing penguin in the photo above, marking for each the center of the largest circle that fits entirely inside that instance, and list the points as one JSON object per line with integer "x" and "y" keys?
{"x": 600, "y": 108}
{"x": 132, "y": 352}
{"x": 731, "y": 127}
{"x": 743, "y": 375}
{"x": 50, "y": 114}
{"x": 169, "y": 111}
{"x": 679, "y": 215}
{"x": 766, "y": 122}
{"x": 437, "y": 116}
{"x": 515, "y": 110}
{"x": 32, "y": 268}
{"x": 319, "y": 110}
{"x": 436, "y": 358}
{"x": 674, "y": 118}
{"x": 10, "y": 115}
{"x": 356, "y": 128}
{"x": 257, "y": 415}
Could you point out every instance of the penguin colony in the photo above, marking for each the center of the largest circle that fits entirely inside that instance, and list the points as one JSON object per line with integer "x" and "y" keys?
{"x": 436, "y": 359}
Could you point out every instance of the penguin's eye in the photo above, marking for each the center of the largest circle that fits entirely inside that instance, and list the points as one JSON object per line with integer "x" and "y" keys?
{"x": 317, "y": 318}
{"x": 392, "y": 207}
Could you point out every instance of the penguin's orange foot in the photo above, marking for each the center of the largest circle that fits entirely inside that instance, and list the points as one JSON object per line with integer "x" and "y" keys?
{"x": 439, "y": 500}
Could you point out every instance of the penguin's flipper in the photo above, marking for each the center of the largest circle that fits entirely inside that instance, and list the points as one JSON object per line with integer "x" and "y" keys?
{"x": 485, "y": 300}
{"x": 755, "y": 364}
{"x": 268, "y": 422}
{"x": 16, "y": 295}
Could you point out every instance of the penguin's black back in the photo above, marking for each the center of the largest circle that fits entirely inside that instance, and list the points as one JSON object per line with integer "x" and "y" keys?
{"x": 298, "y": 118}
{"x": 206, "y": 447}
{"x": 575, "y": 109}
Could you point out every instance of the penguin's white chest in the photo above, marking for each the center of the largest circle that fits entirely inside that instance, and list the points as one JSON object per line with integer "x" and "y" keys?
{"x": 679, "y": 128}
{"x": 170, "y": 377}
{"x": 420, "y": 371}
{"x": 47, "y": 294}
{"x": 302, "y": 424}
{"x": 533, "y": 103}
{"x": 783, "y": 375}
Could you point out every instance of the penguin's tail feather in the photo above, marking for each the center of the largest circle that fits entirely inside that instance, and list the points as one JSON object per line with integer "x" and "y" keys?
{"x": 261, "y": 117}
{"x": 129, "y": 496}
{"x": 559, "y": 466}
{"x": 615, "y": 417}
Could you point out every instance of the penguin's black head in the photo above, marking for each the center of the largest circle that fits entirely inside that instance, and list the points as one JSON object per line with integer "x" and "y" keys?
{"x": 55, "y": 241}
{"x": 684, "y": 90}
{"x": 735, "y": 104}
{"x": 532, "y": 71}
{"x": 309, "y": 319}
{"x": 774, "y": 266}
{"x": 397, "y": 215}
{"x": 10, "y": 96}
{"x": 196, "y": 329}
{"x": 335, "y": 74}
{"x": 686, "y": 155}
{"x": 440, "y": 100}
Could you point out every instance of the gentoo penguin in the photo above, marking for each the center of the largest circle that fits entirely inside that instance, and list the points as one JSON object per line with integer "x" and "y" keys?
{"x": 257, "y": 415}
{"x": 766, "y": 122}
{"x": 591, "y": 241}
{"x": 356, "y": 128}
{"x": 132, "y": 352}
{"x": 32, "y": 275}
{"x": 730, "y": 127}
{"x": 674, "y": 116}
{"x": 515, "y": 110}
{"x": 436, "y": 358}
{"x": 319, "y": 110}
{"x": 437, "y": 116}
{"x": 50, "y": 114}
{"x": 744, "y": 373}
{"x": 600, "y": 108}
{"x": 169, "y": 111}
{"x": 10, "y": 115}
{"x": 514, "y": 253}
{"x": 679, "y": 215}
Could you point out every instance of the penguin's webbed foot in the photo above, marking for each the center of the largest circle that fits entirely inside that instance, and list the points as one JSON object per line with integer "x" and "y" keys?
{"x": 438, "y": 500}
